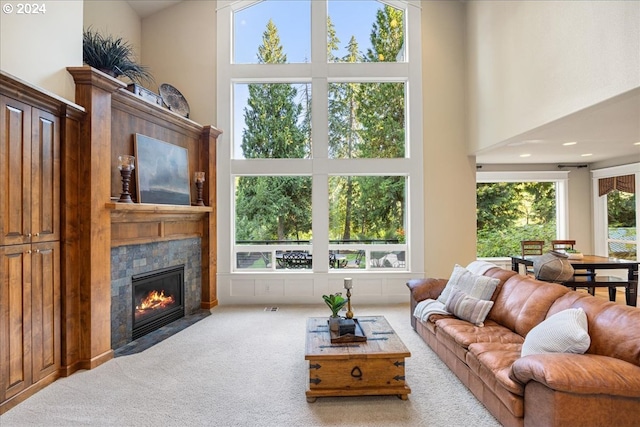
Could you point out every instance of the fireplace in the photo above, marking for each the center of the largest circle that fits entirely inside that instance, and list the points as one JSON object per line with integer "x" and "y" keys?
{"x": 157, "y": 299}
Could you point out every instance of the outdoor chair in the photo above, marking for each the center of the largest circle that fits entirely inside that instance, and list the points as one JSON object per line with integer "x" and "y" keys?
{"x": 296, "y": 260}
{"x": 357, "y": 261}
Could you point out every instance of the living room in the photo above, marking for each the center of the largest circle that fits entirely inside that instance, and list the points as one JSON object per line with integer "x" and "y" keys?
{"x": 480, "y": 94}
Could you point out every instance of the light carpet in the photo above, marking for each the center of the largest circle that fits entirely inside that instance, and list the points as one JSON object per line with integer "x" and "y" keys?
{"x": 244, "y": 366}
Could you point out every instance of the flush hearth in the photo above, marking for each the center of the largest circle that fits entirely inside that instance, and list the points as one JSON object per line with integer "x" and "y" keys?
{"x": 158, "y": 299}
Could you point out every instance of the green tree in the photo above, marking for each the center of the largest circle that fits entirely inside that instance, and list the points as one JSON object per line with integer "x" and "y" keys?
{"x": 543, "y": 201}
{"x": 508, "y": 212}
{"x": 497, "y": 205}
{"x": 343, "y": 137}
{"x": 379, "y": 211}
{"x": 621, "y": 208}
{"x": 333, "y": 42}
{"x": 275, "y": 207}
{"x": 382, "y": 105}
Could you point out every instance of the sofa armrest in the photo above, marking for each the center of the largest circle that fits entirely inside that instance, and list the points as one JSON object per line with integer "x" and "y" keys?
{"x": 579, "y": 373}
{"x": 422, "y": 289}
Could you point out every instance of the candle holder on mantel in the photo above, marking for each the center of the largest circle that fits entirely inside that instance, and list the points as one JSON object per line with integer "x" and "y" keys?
{"x": 126, "y": 165}
{"x": 348, "y": 284}
{"x": 198, "y": 177}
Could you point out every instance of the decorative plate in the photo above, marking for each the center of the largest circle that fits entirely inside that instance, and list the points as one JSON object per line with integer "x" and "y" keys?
{"x": 174, "y": 99}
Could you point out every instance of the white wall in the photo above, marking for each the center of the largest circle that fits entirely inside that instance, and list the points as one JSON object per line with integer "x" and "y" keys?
{"x": 580, "y": 211}
{"x": 449, "y": 174}
{"x": 179, "y": 44}
{"x": 37, "y": 48}
{"x": 532, "y": 62}
{"x": 115, "y": 18}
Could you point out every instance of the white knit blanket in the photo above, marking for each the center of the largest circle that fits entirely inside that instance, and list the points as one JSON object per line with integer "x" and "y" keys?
{"x": 427, "y": 307}
{"x": 480, "y": 267}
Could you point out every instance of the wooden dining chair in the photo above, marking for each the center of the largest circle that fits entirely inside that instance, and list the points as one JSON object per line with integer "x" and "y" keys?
{"x": 532, "y": 247}
{"x": 529, "y": 248}
{"x": 562, "y": 244}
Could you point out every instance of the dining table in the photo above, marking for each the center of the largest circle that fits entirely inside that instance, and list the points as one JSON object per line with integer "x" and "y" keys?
{"x": 591, "y": 263}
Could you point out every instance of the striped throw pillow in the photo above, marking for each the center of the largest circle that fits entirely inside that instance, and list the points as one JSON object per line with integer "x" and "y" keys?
{"x": 468, "y": 308}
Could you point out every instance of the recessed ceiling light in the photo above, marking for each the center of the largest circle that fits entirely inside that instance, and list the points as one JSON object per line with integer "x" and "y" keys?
{"x": 586, "y": 154}
{"x": 636, "y": 143}
{"x": 525, "y": 155}
{"x": 570, "y": 143}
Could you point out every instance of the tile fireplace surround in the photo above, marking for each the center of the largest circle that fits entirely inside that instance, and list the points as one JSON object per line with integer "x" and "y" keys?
{"x": 130, "y": 260}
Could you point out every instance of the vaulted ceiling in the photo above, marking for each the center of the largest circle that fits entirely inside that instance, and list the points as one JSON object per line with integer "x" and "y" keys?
{"x": 604, "y": 131}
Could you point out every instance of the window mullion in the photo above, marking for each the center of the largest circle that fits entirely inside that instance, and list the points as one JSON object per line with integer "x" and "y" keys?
{"x": 319, "y": 133}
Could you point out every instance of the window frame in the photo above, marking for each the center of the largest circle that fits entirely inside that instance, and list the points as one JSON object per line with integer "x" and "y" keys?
{"x": 600, "y": 221}
{"x": 320, "y": 73}
{"x": 561, "y": 178}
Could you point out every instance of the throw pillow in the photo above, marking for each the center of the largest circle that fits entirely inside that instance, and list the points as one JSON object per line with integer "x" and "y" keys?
{"x": 468, "y": 308}
{"x": 481, "y": 287}
{"x": 564, "y": 332}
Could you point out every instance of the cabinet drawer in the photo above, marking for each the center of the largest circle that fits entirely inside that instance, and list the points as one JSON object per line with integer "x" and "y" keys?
{"x": 355, "y": 373}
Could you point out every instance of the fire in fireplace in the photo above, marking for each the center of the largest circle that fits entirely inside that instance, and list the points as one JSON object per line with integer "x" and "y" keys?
{"x": 157, "y": 299}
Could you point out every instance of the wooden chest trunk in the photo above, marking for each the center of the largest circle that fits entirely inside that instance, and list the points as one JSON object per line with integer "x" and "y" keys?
{"x": 374, "y": 367}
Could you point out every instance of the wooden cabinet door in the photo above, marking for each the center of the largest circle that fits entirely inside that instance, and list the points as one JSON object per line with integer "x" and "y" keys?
{"x": 45, "y": 177}
{"x": 45, "y": 309}
{"x": 15, "y": 320}
{"x": 15, "y": 172}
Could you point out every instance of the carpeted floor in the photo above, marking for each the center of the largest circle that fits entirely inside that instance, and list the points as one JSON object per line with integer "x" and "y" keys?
{"x": 244, "y": 366}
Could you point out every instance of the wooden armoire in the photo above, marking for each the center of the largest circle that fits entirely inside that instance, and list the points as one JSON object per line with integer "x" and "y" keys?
{"x": 35, "y": 127}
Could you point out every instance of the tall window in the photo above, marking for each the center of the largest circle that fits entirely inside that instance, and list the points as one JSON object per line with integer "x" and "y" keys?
{"x": 323, "y": 138}
{"x": 616, "y": 211}
{"x": 512, "y": 207}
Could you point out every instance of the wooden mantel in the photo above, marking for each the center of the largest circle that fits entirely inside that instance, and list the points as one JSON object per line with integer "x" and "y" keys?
{"x": 114, "y": 116}
{"x": 140, "y": 223}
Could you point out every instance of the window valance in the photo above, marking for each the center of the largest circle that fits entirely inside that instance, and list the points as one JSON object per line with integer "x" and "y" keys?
{"x": 625, "y": 183}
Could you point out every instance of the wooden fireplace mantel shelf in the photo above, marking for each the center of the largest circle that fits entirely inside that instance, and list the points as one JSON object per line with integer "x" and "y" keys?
{"x": 141, "y": 223}
{"x": 153, "y": 208}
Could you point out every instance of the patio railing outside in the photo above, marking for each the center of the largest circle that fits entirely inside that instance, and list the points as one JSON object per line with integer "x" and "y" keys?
{"x": 283, "y": 255}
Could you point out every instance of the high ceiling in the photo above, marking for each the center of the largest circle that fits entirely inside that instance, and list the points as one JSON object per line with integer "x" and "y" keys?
{"x": 145, "y": 8}
{"x": 605, "y": 131}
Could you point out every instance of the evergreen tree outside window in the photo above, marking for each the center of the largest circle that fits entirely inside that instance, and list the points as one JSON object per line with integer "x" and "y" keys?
{"x": 621, "y": 225}
{"x": 512, "y": 206}
{"x": 308, "y": 139}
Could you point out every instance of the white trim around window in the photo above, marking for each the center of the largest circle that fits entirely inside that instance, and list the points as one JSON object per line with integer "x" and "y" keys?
{"x": 561, "y": 178}
{"x": 600, "y": 234}
{"x": 309, "y": 286}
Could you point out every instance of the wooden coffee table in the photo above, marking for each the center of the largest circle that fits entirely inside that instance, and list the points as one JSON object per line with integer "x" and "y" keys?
{"x": 374, "y": 367}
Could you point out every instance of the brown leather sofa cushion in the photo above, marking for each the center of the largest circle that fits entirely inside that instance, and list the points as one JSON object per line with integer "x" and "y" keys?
{"x": 465, "y": 333}
{"x": 614, "y": 329}
{"x": 579, "y": 373}
{"x": 422, "y": 289}
{"x": 523, "y": 302}
{"x": 492, "y": 361}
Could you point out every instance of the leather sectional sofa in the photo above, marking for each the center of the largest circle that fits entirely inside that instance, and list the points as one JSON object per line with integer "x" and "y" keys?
{"x": 598, "y": 388}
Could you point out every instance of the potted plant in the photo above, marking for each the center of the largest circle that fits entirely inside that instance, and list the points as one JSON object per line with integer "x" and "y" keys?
{"x": 113, "y": 56}
{"x": 573, "y": 253}
{"x": 335, "y": 303}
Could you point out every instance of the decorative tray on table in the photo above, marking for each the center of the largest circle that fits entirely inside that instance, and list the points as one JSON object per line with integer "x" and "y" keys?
{"x": 358, "y": 336}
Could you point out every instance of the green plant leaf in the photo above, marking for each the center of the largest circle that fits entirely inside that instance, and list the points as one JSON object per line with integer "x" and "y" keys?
{"x": 112, "y": 55}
